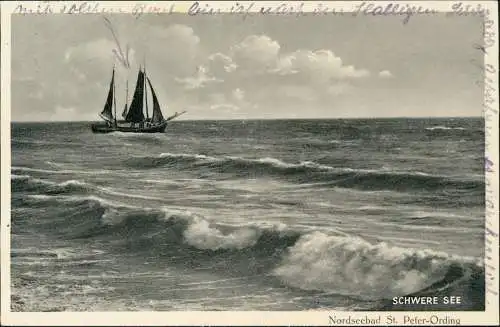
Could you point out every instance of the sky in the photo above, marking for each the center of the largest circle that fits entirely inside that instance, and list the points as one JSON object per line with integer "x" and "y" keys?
{"x": 266, "y": 67}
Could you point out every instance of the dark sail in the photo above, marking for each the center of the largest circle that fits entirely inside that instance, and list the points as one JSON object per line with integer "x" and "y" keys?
{"x": 107, "y": 112}
{"x": 157, "y": 114}
{"x": 124, "y": 113}
{"x": 125, "y": 108}
{"x": 135, "y": 113}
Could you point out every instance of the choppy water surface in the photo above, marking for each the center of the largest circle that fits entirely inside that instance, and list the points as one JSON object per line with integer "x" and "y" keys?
{"x": 247, "y": 215}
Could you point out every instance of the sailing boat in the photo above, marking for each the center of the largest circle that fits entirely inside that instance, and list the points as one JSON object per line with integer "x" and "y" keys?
{"x": 134, "y": 119}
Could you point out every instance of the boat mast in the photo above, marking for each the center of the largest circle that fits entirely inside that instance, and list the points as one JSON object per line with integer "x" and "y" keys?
{"x": 126, "y": 93}
{"x": 114, "y": 93}
{"x": 146, "y": 91}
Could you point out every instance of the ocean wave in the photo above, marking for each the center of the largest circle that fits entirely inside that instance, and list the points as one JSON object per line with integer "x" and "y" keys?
{"x": 307, "y": 172}
{"x": 448, "y": 130}
{"x": 35, "y": 254}
{"x": 445, "y": 128}
{"x": 17, "y": 169}
{"x": 320, "y": 144}
{"x": 352, "y": 266}
{"x": 42, "y": 188}
{"x": 309, "y": 260}
{"x": 19, "y": 177}
{"x": 61, "y": 199}
{"x": 38, "y": 144}
{"x": 25, "y": 183}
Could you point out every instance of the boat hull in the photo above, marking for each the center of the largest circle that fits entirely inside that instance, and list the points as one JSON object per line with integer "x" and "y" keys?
{"x": 102, "y": 128}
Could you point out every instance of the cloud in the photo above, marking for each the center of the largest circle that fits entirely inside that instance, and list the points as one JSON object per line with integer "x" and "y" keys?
{"x": 271, "y": 78}
{"x": 270, "y": 66}
{"x": 91, "y": 62}
{"x": 174, "y": 48}
{"x": 77, "y": 88}
{"x": 321, "y": 65}
{"x": 255, "y": 51}
{"x": 200, "y": 80}
{"x": 179, "y": 45}
{"x": 179, "y": 40}
{"x": 87, "y": 60}
{"x": 351, "y": 72}
{"x": 100, "y": 49}
{"x": 385, "y": 74}
{"x": 219, "y": 64}
{"x": 260, "y": 53}
{"x": 255, "y": 72}
{"x": 252, "y": 73}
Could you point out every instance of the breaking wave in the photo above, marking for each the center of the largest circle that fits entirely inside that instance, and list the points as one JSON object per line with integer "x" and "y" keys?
{"x": 307, "y": 172}
{"x": 352, "y": 266}
{"x": 310, "y": 260}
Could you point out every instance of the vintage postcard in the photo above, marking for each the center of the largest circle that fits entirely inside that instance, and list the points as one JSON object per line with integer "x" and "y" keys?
{"x": 249, "y": 163}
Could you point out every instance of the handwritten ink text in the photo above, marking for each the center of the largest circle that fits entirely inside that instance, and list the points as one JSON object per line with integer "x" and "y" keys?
{"x": 404, "y": 10}
{"x": 206, "y": 9}
{"x": 488, "y": 165}
{"x": 460, "y": 9}
{"x": 488, "y": 72}
{"x": 140, "y": 9}
{"x": 284, "y": 9}
{"x": 41, "y": 9}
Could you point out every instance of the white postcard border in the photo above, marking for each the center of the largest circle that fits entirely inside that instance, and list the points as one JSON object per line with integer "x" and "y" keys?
{"x": 489, "y": 316}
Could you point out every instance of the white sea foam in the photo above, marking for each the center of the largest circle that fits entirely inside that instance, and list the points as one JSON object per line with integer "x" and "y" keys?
{"x": 352, "y": 266}
{"x": 444, "y": 128}
{"x": 203, "y": 236}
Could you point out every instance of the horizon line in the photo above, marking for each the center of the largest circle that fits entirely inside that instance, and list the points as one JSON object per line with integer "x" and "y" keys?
{"x": 257, "y": 119}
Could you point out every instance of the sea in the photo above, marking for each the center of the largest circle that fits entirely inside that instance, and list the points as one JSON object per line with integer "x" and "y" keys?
{"x": 266, "y": 215}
